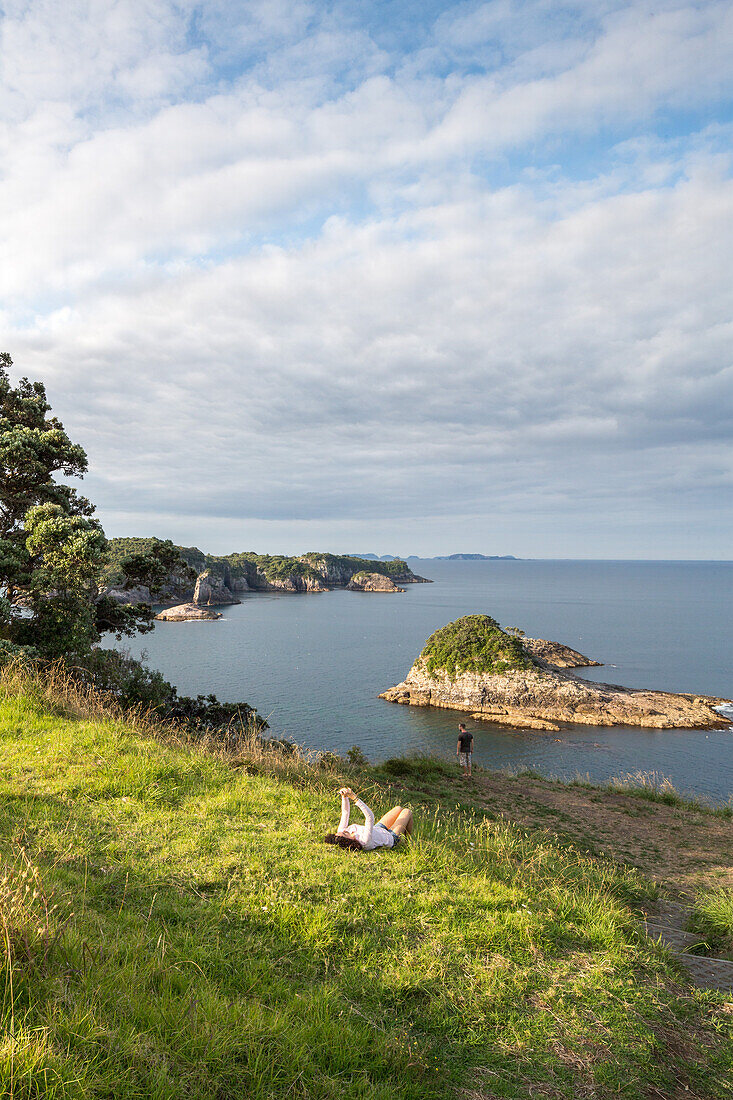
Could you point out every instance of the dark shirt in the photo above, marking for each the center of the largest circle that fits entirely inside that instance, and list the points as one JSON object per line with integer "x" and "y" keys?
{"x": 465, "y": 740}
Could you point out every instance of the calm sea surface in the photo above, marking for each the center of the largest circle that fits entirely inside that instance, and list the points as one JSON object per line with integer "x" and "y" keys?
{"x": 314, "y": 664}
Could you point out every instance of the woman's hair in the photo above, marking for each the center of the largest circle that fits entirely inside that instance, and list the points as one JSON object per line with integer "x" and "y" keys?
{"x": 343, "y": 841}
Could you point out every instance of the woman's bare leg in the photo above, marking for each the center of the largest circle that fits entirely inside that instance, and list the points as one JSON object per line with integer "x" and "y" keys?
{"x": 403, "y": 823}
{"x": 390, "y": 817}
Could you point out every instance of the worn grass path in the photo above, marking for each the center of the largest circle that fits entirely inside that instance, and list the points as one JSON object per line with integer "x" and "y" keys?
{"x": 679, "y": 847}
{"x": 206, "y": 944}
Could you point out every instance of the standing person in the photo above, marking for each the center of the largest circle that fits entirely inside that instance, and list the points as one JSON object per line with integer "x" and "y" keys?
{"x": 386, "y": 833}
{"x": 464, "y": 748}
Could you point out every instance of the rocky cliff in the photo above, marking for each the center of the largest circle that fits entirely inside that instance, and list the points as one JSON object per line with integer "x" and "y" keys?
{"x": 139, "y": 594}
{"x": 338, "y": 570}
{"x": 372, "y": 582}
{"x": 310, "y": 573}
{"x": 555, "y": 655}
{"x": 213, "y": 589}
{"x": 536, "y": 695}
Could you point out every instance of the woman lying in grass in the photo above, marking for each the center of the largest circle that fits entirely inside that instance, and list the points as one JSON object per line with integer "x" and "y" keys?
{"x": 386, "y": 833}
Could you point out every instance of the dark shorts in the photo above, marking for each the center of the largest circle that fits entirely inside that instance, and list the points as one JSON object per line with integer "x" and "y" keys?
{"x": 397, "y": 837}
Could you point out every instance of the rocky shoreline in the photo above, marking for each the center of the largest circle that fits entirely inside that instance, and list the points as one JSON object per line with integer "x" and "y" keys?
{"x": 184, "y": 612}
{"x": 544, "y": 696}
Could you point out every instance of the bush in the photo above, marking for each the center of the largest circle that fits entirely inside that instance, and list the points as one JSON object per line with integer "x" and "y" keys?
{"x": 475, "y": 643}
{"x": 133, "y": 685}
{"x": 712, "y": 918}
{"x": 9, "y": 650}
{"x": 425, "y": 767}
{"x": 130, "y": 682}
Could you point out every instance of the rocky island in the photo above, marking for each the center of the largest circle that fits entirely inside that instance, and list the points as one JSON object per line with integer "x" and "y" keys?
{"x": 184, "y": 612}
{"x": 372, "y": 582}
{"x": 473, "y": 665}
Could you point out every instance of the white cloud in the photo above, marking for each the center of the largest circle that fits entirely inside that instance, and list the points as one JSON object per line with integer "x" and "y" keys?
{"x": 265, "y": 276}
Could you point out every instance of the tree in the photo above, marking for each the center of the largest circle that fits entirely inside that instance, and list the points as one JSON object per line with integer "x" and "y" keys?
{"x": 52, "y": 549}
{"x": 154, "y": 566}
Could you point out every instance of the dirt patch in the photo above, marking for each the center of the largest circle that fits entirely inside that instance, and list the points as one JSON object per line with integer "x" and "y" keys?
{"x": 679, "y": 848}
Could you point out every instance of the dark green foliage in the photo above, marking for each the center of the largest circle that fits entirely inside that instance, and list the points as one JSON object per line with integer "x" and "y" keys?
{"x": 207, "y": 714}
{"x": 121, "y": 619}
{"x": 8, "y": 650}
{"x": 356, "y": 758}
{"x": 133, "y": 684}
{"x": 152, "y": 562}
{"x": 66, "y": 553}
{"x": 474, "y": 643}
{"x": 33, "y": 448}
{"x": 130, "y": 682}
{"x": 348, "y": 564}
{"x": 156, "y": 567}
{"x": 51, "y": 550}
{"x": 416, "y": 767}
{"x": 275, "y": 567}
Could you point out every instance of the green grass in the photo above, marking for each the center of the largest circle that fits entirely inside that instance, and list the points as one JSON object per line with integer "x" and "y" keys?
{"x": 474, "y": 643}
{"x": 712, "y": 918}
{"x": 207, "y": 944}
{"x": 652, "y": 786}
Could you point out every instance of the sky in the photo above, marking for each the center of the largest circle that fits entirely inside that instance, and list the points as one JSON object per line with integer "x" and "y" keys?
{"x": 388, "y": 276}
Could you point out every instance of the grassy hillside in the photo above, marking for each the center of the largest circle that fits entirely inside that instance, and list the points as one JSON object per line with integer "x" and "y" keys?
{"x": 177, "y": 928}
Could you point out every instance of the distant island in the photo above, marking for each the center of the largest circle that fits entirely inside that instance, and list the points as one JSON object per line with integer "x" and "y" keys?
{"x": 440, "y": 557}
{"x": 199, "y": 580}
{"x": 377, "y": 557}
{"x": 475, "y": 557}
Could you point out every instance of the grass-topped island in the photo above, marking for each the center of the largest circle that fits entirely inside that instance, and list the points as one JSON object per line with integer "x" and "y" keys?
{"x": 473, "y": 665}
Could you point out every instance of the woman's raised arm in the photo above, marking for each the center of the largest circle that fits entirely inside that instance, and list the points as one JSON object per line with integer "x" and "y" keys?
{"x": 368, "y": 818}
{"x": 345, "y": 810}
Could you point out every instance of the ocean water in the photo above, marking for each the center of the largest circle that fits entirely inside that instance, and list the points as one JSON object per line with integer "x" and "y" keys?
{"x": 315, "y": 664}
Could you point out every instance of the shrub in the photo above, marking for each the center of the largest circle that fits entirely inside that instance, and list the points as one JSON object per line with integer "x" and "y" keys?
{"x": 418, "y": 767}
{"x": 127, "y": 683}
{"x": 475, "y": 643}
{"x": 712, "y": 918}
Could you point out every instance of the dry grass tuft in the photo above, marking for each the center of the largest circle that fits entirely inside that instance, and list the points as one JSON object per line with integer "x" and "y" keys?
{"x": 29, "y": 918}
{"x": 64, "y": 692}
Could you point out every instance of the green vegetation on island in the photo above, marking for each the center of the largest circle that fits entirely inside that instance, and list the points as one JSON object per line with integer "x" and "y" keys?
{"x": 174, "y": 926}
{"x": 346, "y": 563}
{"x": 474, "y": 643}
{"x": 275, "y": 567}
